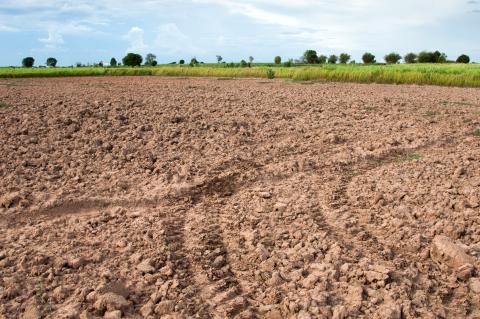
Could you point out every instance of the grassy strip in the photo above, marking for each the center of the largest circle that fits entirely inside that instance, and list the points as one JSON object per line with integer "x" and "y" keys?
{"x": 423, "y": 74}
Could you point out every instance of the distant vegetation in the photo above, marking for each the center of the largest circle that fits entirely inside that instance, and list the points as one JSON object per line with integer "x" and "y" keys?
{"x": 368, "y": 58}
{"x": 28, "y": 62}
{"x": 393, "y": 58}
{"x": 51, "y": 62}
{"x": 132, "y": 59}
{"x": 423, "y": 68}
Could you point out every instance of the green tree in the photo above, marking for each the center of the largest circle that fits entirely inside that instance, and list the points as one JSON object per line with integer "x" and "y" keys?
{"x": 392, "y": 58}
{"x": 278, "y": 59}
{"x": 463, "y": 59}
{"x": 250, "y": 59}
{"x": 113, "y": 62}
{"x": 332, "y": 59}
{"x": 181, "y": 62}
{"x": 219, "y": 58}
{"x": 243, "y": 64}
{"x": 368, "y": 58}
{"x": 322, "y": 59}
{"x": 132, "y": 59}
{"x": 28, "y": 62}
{"x": 150, "y": 59}
{"x": 310, "y": 56}
{"x": 410, "y": 58}
{"x": 344, "y": 58}
{"x": 51, "y": 62}
{"x": 440, "y": 57}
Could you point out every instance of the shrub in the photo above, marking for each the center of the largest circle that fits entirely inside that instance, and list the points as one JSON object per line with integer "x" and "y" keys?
{"x": 193, "y": 61}
{"x": 100, "y": 64}
{"x": 392, "y": 58}
{"x": 322, "y": 59}
{"x": 332, "y": 59}
{"x": 78, "y": 64}
{"x": 368, "y": 58}
{"x": 154, "y": 63}
{"x": 113, "y": 62}
{"x": 463, "y": 59}
{"x": 410, "y": 58}
{"x": 310, "y": 56}
{"x": 51, "y": 62}
{"x": 344, "y": 58}
{"x": 278, "y": 59}
{"x": 270, "y": 74}
{"x": 28, "y": 62}
{"x": 132, "y": 59}
{"x": 150, "y": 59}
{"x": 181, "y": 62}
{"x": 243, "y": 64}
{"x": 288, "y": 63}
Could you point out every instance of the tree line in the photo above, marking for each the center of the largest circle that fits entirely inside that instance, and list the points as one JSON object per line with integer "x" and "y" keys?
{"x": 309, "y": 57}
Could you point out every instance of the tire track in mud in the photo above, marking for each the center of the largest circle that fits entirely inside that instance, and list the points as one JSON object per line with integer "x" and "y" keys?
{"x": 187, "y": 293}
{"x": 220, "y": 288}
{"x": 337, "y": 204}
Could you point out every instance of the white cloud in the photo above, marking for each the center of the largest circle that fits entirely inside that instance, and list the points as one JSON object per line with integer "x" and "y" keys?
{"x": 172, "y": 40}
{"x": 53, "y": 41}
{"x": 136, "y": 38}
{"x": 6, "y": 28}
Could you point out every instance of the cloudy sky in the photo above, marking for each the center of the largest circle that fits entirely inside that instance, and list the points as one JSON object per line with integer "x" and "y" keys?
{"x": 89, "y": 31}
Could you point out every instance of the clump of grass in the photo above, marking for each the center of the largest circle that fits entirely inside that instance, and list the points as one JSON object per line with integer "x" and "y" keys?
{"x": 270, "y": 74}
{"x": 410, "y": 157}
{"x": 4, "y": 105}
{"x": 430, "y": 113}
{"x": 476, "y": 132}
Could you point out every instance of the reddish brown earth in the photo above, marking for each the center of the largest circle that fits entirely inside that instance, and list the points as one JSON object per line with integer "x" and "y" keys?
{"x": 176, "y": 198}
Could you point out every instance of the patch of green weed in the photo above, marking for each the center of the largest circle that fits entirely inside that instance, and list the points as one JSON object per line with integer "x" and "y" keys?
{"x": 410, "y": 157}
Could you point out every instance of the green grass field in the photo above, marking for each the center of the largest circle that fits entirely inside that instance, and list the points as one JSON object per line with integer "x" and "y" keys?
{"x": 462, "y": 75}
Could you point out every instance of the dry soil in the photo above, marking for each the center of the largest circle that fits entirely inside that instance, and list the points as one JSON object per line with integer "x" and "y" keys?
{"x": 150, "y": 197}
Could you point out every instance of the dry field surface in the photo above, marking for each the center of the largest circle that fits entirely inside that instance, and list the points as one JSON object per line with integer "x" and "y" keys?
{"x": 149, "y": 197}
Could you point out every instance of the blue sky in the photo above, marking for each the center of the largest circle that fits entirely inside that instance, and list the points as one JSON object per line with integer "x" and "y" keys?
{"x": 90, "y": 31}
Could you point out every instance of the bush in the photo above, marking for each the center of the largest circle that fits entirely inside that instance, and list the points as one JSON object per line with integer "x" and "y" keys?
{"x": 113, "y": 62}
{"x": 392, "y": 58}
{"x": 288, "y": 63}
{"x": 368, "y": 58}
{"x": 344, "y": 58}
{"x": 410, "y": 58}
{"x": 310, "y": 56}
{"x": 181, "y": 62}
{"x": 278, "y": 60}
{"x": 193, "y": 61}
{"x": 332, "y": 59}
{"x": 28, "y": 62}
{"x": 51, "y": 62}
{"x": 270, "y": 74}
{"x": 463, "y": 59}
{"x": 243, "y": 64}
{"x": 132, "y": 59}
